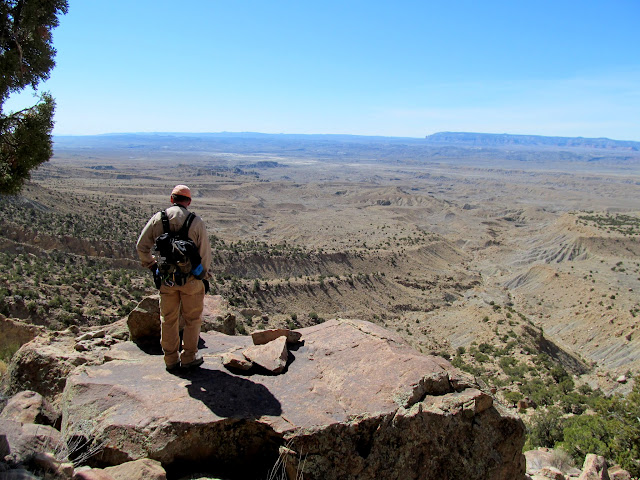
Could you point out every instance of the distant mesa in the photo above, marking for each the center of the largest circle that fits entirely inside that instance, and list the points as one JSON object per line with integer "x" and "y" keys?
{"x": 505, "y": 139}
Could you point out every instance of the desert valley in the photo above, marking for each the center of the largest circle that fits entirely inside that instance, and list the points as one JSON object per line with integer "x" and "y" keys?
{"x": 518, "y": 261}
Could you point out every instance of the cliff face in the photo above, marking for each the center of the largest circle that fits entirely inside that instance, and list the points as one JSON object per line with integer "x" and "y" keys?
{"x": 353, "y": 402}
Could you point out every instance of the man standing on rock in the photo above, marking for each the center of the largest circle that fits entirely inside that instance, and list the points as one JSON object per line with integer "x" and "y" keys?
{"x": 186, "y": 299}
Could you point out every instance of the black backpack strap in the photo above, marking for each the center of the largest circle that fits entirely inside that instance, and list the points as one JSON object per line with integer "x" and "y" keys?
{"x": 184, "y": 231}
{"x": 165, "y": 221}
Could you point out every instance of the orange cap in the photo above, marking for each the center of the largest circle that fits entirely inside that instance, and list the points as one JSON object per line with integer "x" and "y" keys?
{"x": 181, "y": 190}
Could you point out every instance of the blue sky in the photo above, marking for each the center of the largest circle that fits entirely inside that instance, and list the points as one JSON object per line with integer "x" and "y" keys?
{"x": 401, "y": 68}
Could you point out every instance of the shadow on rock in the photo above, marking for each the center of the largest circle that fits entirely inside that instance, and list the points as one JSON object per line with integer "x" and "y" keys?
{"x": 151, "y": 345}
{"x": 231, "y": 396}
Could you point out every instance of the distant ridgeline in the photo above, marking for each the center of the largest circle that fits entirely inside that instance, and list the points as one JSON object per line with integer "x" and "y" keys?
{"x": 504, "y": 139}
{"x": 453, "y": 147}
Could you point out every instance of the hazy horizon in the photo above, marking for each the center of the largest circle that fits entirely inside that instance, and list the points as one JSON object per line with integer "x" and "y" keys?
{"x": 406, "y": 69}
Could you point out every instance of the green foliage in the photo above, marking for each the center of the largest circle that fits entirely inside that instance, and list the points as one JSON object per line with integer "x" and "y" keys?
{"x": 8, "y": 351}
{"x": 513, "y": 397}
{"x": 25, "y": 143}
{"x": 625, "y": 224}
{"x": 612, "y": 430}
{"x": 545, "y": 429}
{"x": 26, "y": 58}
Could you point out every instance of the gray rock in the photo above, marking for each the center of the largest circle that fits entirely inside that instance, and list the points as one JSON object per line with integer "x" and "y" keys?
{"x": 618, "y": 473}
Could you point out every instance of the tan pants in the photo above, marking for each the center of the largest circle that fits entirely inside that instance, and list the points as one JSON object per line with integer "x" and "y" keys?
{"x": 187, "y": 299}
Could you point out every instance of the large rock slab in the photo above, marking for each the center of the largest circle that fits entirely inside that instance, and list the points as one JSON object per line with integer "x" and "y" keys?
{"x": 43, "y": 364}
{"x": 355, "y": 402}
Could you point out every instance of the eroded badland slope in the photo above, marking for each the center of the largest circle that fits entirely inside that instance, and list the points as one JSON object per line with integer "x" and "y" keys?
{"x": 468, "y": 262}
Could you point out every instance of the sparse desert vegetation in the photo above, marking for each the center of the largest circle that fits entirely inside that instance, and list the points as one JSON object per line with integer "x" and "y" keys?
{"x": 524, "y": 278}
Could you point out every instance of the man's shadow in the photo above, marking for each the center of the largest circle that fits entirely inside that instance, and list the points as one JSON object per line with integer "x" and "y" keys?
{"x": 226, "y": 395}
{"x": 230, "y": 396}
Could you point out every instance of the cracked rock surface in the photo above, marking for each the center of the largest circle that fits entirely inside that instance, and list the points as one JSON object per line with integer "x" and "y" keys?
{"x": 354, "y": 401}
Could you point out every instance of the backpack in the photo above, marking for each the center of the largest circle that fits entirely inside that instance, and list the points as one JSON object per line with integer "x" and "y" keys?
{"x": 176, "y": 254}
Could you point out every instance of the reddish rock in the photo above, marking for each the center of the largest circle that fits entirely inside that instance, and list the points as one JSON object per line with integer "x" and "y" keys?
{"x": 355, "y": 402}
{"x": 272, "y": 356}
{"x": 618, "y": 473}
{"x": 43, "y": 364}
{"x": 261, "y": 337}
{"x": 236, "y": 360}
{"x": 144, "y": 320}
{"x": 29, "y": 407}
{"x": 23, "y": 441}
{"x": 92, "y": 474}
{"x": 551, "y": 472}
{"x": 594, "y": 468}
{"x": 143, "y": 469}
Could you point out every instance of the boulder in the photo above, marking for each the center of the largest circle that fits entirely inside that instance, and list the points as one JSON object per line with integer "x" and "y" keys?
{"x": 143, "y": 469}
{"x": 594, "y": 468}
{"x": 236, "y": 360}
{"x": 272, "y": 356}
{"x": 29, "y": 407}
{"x": 92, "y": 474}
{"x": 144, "y": 320}
{"x": 618, "y": 473}
{"x": 22, "y": 442}
{"x": 261, "y": 337}
{"x": 551, "y": 472}
{"x": 355, "y": 402}
{"x": 43, "y": 364}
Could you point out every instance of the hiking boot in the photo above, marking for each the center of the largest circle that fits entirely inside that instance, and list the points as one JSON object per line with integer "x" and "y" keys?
{"x": 194, "y": 364}
{"x": 173, "y": 367}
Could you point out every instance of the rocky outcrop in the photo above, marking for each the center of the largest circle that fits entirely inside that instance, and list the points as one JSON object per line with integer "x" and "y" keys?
{"x": 16, "y": 333}
{"x": 29, "y": 407}
{"x": 354, "y": 402}
{"x": 43, "y": 364}
{"x": 144, "y": 320}
{"x": 594, "y": 468}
